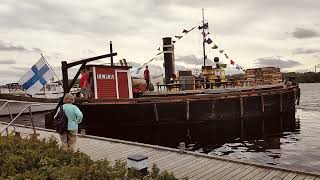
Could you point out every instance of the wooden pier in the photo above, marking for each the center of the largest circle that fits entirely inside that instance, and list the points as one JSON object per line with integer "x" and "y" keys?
{"x": 188, "y": 164}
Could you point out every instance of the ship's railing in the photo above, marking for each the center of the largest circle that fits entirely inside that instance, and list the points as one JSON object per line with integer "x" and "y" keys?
{"x": 6, "y": 129}
{"x": 190, "y": 97}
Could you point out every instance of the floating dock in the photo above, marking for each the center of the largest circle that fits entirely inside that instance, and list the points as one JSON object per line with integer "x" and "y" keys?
{"x": 188, "y": 164}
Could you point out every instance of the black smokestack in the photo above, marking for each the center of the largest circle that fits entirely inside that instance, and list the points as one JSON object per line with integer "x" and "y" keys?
{"x": 168, "y": 53}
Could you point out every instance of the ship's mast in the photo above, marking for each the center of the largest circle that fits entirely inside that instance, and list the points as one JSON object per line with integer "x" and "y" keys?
{"x": 203, "y": 40}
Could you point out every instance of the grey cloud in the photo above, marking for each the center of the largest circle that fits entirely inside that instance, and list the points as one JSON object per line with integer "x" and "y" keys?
{"x": 10, "y": 47}
{"x": 302, "y": 33}
{"x": 134, "y": 64}
{"x": 9, "y": 73}
{"x": 277, "y": 62}
{"x": 8, "y": 61}
{"x": 19, "y": 68}
{"x": 119, "y": 19}
{"x": 192, "y": 60}
{"x": 75, "y": 18}
{"x": 37, "y": 50}
{"x": 305, "y": 51}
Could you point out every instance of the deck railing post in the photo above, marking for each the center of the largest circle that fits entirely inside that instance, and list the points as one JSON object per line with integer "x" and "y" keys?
{"x": 31, "y": 118}
{"x": 9, "y": 110}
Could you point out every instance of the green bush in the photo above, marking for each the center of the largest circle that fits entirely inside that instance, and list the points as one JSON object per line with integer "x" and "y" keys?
{"x": 45, "y": 159}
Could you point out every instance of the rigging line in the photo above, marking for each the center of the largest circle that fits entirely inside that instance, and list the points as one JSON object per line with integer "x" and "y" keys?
{"x": 51, "y": 68}
{"x": 223, "y": 54}
{"x": 138, "y": 70}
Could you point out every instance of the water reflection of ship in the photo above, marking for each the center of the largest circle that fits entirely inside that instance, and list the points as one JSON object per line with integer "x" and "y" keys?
{"x": 215, "y": 133}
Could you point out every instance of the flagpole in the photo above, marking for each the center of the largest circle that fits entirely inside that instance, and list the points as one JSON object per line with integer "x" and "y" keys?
{"x": 51, "y": 68}
{"x": 203, "y": 38}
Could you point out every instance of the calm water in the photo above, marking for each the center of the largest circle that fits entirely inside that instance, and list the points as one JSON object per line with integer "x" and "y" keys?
{"x": 298, "y": 149}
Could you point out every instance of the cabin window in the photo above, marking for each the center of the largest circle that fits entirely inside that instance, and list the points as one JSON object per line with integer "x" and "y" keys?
{"x": 53, "y": 88}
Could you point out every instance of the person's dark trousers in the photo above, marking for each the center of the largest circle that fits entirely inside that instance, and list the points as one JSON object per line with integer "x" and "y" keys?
{"x": 147, "y": 81}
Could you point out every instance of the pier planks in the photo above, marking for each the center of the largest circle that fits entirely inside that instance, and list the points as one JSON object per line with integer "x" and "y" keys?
{"x": 190, "y": 165}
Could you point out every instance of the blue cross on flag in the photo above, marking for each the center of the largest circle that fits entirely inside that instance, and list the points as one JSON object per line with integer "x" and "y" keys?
{"x": 36, "y": 77}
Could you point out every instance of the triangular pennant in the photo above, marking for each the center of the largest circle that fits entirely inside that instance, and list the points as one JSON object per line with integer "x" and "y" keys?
{"x": 214, "y": 47}
{"x": 206, "y": 25}
{"x": 232, "y": 62}
{"x": 221, "y": 51}
{"x": 209, "y": 41}
{"x": 204, "y": 34}
{"x": 185, "y": 31}
{"x": 178, "y": 37}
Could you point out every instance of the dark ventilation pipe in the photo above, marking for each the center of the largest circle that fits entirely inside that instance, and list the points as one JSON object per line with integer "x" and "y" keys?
{"x": 168, "y": 55}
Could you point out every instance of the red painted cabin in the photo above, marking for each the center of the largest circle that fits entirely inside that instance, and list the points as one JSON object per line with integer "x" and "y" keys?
{"x": 110, "y": 82}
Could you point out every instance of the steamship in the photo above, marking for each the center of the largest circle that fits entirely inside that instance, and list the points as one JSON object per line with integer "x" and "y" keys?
{"x": 210, "y": 106}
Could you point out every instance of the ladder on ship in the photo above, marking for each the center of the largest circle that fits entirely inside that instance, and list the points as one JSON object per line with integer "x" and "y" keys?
{"x": 13, "y": 119}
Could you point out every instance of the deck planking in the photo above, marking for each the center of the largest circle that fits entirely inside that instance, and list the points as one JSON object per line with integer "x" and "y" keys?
{"x": 191, "y": 165}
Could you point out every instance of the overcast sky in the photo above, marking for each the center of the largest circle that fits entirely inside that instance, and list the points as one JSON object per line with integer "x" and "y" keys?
{"x": 253, "y": 33}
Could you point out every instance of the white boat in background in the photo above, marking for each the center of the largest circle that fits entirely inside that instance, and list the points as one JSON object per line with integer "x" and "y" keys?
{"x": 50, "y": 90}
{"x": 15, "y": 107}
{"x": 48, "y": 98}
{"x": 16, "y": 99}
{"x": 37, "y": 86}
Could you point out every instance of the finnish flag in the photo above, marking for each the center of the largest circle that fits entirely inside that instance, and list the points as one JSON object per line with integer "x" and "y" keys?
{"x": 36, "y": 77}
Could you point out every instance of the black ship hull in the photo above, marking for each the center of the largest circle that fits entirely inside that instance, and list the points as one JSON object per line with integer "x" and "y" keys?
{"x": 168, "y": 120}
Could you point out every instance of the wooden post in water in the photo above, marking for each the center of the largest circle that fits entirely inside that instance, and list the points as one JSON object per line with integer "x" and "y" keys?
{"x": 281, "y": 102}
{"x": 262, "y": 126}
{"x": 188, "y": 111}
{"x": 262, "y": 104}
{"x": 241, "y": 118}
{"x": 156, "y": 115}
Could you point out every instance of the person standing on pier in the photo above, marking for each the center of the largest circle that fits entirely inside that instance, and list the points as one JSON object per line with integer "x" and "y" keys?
{"x": 74, "y": 117}
{"x": 147, "y": 77}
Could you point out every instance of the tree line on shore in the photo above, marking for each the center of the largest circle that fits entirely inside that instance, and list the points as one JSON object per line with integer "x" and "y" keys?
{"x": 307, "y": 77}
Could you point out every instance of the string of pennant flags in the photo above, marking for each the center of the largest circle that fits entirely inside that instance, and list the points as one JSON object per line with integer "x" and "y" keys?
{"x": 177, "y": 38}
{"x": 207, "y": 40}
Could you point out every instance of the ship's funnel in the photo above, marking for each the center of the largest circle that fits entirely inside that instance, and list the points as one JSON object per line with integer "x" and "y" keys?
{"x": 168, "y": 54}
